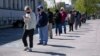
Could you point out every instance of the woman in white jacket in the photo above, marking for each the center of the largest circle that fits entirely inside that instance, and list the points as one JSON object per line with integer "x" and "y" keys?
{"x": 30, "y": 25}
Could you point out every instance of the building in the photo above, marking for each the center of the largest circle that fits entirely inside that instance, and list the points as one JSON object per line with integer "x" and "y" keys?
{"x": 12, "y": 10}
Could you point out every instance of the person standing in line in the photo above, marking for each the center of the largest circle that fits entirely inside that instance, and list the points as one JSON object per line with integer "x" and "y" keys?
{"x": 57, "y": 22}
{"x": 43, "y": 26}
{"x": 50, "y": 17}
{"x": 77, "y": 19}
{"x": 30, "y": 25}
{"x": 80, "y": 22}
{"x": 63, "y": 18}
{"x": 83, "y": 18}
{"x": 71, "y": 20}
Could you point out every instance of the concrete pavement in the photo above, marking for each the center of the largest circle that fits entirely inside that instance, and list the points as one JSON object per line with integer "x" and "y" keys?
{"x": 83, "y": 42}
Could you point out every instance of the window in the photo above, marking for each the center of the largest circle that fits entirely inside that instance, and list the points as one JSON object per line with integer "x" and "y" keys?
{"x": 32, "y": 2}
{"x": 20, "y": 4}
{"x": 15, "y": 4}
{"x": 25, "y": 2}
{"x": 1, "y": 4}
{"x": 4, "y": 4}
{"x": 9, "y": 4}
{"x": 28, "y": 2}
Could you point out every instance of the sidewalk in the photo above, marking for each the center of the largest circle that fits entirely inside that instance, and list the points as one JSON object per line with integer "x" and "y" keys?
{"x": 83, "y": 42}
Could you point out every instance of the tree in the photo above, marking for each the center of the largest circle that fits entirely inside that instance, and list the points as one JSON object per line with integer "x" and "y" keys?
{"x": 91, "y": 6}
{"x": 73, "y": 1}
{"x": 88, "y": 6}
{"x": 79, "y": 5}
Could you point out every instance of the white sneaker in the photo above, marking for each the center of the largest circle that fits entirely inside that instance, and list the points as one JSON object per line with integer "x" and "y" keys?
{"x": 26, "y": 48}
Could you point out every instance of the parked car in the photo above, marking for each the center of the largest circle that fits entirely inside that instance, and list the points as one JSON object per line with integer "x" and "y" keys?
{"x": 18, "y": 23}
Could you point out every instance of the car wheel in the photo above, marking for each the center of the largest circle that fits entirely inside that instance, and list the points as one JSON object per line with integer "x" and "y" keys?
{"x": 20, "y": 25}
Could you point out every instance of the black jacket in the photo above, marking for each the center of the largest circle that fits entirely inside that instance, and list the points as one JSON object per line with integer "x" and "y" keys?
{"x": 78, "y": 17}
{"x": 71, "y": 19}
{"x": 50, "y": 16}
{"x": 43, "y": 20}
{"x": 57, "y": 18}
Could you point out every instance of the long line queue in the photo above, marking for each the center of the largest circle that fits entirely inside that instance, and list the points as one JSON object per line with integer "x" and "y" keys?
{"x": 45, "y": 22}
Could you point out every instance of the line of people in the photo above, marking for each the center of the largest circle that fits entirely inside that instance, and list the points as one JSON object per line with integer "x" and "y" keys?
{"x": 45, "y": 22}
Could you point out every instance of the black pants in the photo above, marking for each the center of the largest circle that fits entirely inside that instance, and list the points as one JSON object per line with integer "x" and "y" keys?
{"x": 80, "y": 24}
{"x": 30, "y": 34}
{"x": 70, "y": 26}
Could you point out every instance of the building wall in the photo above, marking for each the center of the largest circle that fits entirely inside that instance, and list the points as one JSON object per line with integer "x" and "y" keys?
{"x": 16, "y": 4}
{"x": 13, "y": 9}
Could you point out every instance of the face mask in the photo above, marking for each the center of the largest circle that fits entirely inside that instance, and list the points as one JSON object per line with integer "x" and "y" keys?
{"x": 28, "y": 12}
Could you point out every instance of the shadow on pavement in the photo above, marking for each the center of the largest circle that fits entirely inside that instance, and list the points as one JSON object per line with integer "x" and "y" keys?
{"x": 60, "y": 46}
{"x": 74, "y": 36}
{"x": 75, "y": 33}
{"x": 10, "y": 34}
{"x": 51, "y": 53}
{"x": 85, "y": 31}
{"x": 62, "y": 39}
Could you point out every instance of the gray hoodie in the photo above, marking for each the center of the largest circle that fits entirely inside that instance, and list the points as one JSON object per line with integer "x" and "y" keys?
{"x": 30, "y": 21}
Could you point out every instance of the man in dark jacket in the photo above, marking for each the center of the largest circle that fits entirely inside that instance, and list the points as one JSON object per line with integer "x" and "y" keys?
{"x": 58, "y": 22}
{"x": 77, "y": 19}
{"x": 42, "y": 25}
{"x": 50, "y": 17}
{"x": 71, "y": 20}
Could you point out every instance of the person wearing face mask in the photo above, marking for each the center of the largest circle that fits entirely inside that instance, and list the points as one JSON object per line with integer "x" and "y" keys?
{"x": 57, "y": 22}
{"x": 42, "y": 26}
{"x": 30, "y": 25}
{"x": 63, "y": 18}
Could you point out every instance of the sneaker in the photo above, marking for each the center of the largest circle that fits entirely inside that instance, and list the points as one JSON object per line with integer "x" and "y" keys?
{"x": 40, "y": 43}
{"x": 51, "y": 37}
{"x": 30, "y": 49}
{"x": 45, "y": 44}
{"x": 65, "y": 33}
{"x": 26, "y": 49}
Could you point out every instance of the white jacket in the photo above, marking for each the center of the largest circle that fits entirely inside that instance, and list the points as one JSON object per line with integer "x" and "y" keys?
{"x": 30, "y": 21}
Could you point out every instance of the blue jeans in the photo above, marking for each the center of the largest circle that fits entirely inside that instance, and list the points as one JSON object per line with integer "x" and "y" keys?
{"x": 63, "y": 25}
{"x": 43, "y": 32}
{"x": 58, "y": 29}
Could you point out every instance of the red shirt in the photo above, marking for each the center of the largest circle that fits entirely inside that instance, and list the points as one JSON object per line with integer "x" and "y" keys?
{"x": 63, "y": 16}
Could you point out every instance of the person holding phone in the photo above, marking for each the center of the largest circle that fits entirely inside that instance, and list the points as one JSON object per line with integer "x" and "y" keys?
{"x": 30, "y": 25}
